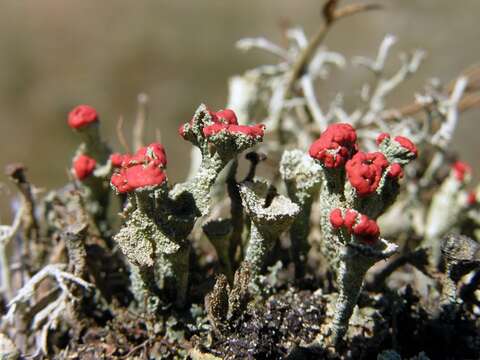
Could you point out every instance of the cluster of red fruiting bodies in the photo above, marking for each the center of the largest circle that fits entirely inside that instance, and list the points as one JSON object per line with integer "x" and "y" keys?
{"x": 146, "y": 167}
{"x": 143, "y": 169}
{"x": 355, "y": 223}
{"x": 337, "y": 147}
{"x": 226, "y": 121}
{"x": 83, "y": 166}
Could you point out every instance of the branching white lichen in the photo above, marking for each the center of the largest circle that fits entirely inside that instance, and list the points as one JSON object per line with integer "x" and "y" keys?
{"x": 444, "y": 135}
{"x": 50, "y": 314}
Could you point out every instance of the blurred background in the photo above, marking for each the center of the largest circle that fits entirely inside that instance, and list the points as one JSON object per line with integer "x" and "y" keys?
{"x": 55, "y": 54}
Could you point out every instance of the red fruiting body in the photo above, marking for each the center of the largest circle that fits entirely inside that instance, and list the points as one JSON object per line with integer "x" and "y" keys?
{"x": 143, "y": 169}
{"x": 350, "y": 219}
{"x": 407, "y": 144}
{"x": 364, "y": 171}
{"x": 181, "y": 130}
{"x": 220, "y": 120}
{"x": 367, "y": 229}
{"x": 227, "y": 115}
{"x": 382, "y": 137}
{"x": 214, "y": 129}
{"x": 81, "y": 116}
{"x": 336, "y": 218}
{"x": 335, "y": 146}
{"x": 83, "y": 166}
{"x": 395, "y": 171}
{"x": 460, "y": 169}
{"x": 137, "y": 177}
{"x": 154, "y": 152}
{"x": 248, "y": 130}
{"x": 357, "y": 224}
{"x": 116, "y": 159}
{"x": 471, "y": 198}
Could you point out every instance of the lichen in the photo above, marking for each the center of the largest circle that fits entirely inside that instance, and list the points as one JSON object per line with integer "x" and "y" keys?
{"x": 292, "y": 263}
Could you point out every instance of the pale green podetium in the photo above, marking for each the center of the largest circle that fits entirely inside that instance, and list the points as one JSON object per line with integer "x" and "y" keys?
{"x": 271, "y": 215}
{"x": 303, "y": 177}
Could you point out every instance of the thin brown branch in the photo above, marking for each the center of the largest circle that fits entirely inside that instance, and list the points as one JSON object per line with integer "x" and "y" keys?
{"x": 121, "y": 136}
{"x": 140, "y": 120}
{"x": 468, "y": 102}
{"x": 473, "y": 75}
{"x": 331, "y": 15}
{"x": 470, "y": 99}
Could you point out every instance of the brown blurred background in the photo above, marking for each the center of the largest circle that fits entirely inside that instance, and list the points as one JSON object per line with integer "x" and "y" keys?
{"x": 55, "y": 54}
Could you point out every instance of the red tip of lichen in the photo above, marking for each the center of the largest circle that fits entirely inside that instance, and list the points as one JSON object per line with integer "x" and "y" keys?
{"x": 228, "y": 116}
{"x": 335, "y": 146}
{"x": 367, "y": 229}
{"x": 350, "y": 219}
{"x": 407, "y": 144}
{"x": 181, "y": 130}
{"x": 382, "y": 137}
{"x": 257, "y": 130}
{"x": 357, "y": 224}
{"x": 460, "y": 169}
{"x": 336, "y": 218}
{"x": 395, "y": 171}
{"x": 144, "y": 168}
{"x": 83, "y": 167}
{"x": 222, "y": 120}
{"x": 214, "y": 129}
{"x": 155, "y": 152}
{"x": 364, "y": 171}
{"x": 137, "y": 177}
{"x": 471, "y": 198}
{"x": 81, "y": 116}
{"x": 116, "y": 159}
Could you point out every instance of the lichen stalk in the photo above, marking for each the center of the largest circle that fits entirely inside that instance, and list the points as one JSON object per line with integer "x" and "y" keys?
{"x": 93, "y": 145}
{"x": 258, "y": 249}
{"x": 144, "y": 287}
{"x": 236, "y": 214}
{"x": 302, "y": 177}
{"x": 201, "y": 184}
{"x": 271, "y": 215}
{"x": 219, "y": 233}
{"x": 350, "y": 280}
{"x": 172, "y": 274}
